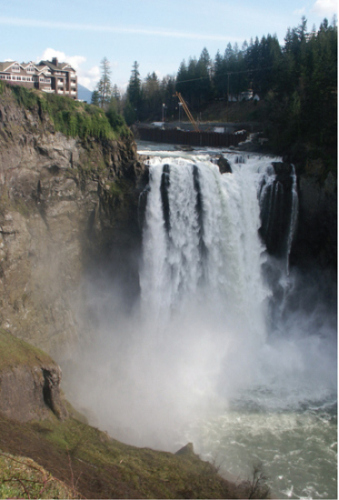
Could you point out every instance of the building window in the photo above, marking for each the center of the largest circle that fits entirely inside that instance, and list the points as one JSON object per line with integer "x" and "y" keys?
{"x": 16, "y": 68}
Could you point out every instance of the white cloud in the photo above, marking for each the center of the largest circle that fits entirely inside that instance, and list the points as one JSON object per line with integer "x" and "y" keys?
{"x": 75, "y": 61}
{"x": 86, "y": 77}
{"x": 89, "y": 78}
{"x": 325, "y": 7}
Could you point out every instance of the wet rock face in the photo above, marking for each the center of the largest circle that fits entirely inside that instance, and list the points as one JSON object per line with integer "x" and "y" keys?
{"x": 275, "y": 209}
{"x": 224, "y": 165}
{"x": 317, "y": 227}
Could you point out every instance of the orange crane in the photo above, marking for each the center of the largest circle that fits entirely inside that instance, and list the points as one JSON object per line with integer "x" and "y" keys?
{"x": 187, "y": 111}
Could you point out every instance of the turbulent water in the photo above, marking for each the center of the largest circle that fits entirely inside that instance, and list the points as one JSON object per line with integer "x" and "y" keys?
{"x": 228, "y": 347}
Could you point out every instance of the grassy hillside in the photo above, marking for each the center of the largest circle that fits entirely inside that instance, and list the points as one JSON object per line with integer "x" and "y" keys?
{"x": 14, "y": 352}
{"x": 93, "y": 465}
{"x": 72, "y": 118}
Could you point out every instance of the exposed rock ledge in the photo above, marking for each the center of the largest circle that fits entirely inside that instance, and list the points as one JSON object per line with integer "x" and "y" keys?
{"x": 29, "y": 381}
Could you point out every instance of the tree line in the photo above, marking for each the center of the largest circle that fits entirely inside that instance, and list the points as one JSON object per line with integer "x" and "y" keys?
{"x": 297, "y": 81}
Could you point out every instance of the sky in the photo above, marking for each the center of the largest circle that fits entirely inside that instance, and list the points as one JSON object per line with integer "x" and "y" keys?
{"x": 158, "y": 34}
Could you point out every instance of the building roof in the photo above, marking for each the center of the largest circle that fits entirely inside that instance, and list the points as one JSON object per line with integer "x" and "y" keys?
{"x": 26, "y": 65}
{"x": 57, "y": 67}
{"x": 4, "y": 66}
{"x": 42, "y": 66}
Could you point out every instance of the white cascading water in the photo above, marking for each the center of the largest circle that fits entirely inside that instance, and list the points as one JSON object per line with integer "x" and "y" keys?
{"x": 294, "y": 216}
{"x": 226, "y": 348}
{"x": 215, "y": 261}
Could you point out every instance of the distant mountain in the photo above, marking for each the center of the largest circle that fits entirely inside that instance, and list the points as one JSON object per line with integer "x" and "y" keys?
{"x": 84, "y": 94}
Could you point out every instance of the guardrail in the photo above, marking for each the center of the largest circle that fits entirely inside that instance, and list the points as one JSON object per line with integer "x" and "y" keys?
{"x": 191, "y": 138}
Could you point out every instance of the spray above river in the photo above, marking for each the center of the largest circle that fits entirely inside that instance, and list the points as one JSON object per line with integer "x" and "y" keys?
{"x": 227, "y": 347}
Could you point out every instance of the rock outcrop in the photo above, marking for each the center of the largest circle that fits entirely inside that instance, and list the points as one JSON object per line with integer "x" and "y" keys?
{"x": 224, "y": 165}
{"x": 64, "y": 202}
{"x": 29, "y": 382}
{"x": 276, "y": 209}
{"x": 316, "y": 239}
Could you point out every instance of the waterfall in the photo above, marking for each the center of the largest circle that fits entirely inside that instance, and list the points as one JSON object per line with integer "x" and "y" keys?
{"x": 224, "y": 347}
{"x": 294, "y": 214}
{"x": 201, "y": 242}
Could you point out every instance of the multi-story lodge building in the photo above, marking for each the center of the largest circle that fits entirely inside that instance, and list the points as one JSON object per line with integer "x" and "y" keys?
{"x": 48, "y": 76}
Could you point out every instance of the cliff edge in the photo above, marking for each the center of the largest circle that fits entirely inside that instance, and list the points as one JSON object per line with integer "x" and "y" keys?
{"x": 64, "y": 202}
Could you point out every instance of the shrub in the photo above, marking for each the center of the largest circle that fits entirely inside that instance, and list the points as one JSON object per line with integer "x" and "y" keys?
{"x": 72, "y": 118}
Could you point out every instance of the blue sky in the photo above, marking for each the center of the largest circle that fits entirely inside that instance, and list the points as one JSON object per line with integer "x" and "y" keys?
{"x": 158, "y": 34}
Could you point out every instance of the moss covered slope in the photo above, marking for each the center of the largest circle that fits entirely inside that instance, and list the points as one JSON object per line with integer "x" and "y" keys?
{"x": 93, "y": 465}
{"x": 14, "y": 352}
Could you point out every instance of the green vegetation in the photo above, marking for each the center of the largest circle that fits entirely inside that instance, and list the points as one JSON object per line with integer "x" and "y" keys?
{"x": 14, "y": 352}
{"x": 2, "y": 87}
{"x": 93, "y": 464}
{"x": 72, "y": 118}
{"x": 21, "y": 477}
{"x": 296, "y": 82}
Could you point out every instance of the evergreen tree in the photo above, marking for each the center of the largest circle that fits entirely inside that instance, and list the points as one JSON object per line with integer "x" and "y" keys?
{"x": 104, "y": 86}
{"x": 129, "y": 113}
{"x": 167, "y": 89}
{"x": 116, "y": 98}
{"x": 134, "y": 89}
{"x": 203, "y": 72}
{"x": 182, "y": 83}
{"x": 151, "y": 98}
{"x": 95, "y": 98}
{"x": 219, "y": 77}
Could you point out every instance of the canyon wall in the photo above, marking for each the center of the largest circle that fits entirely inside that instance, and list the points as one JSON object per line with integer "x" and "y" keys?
{"x": 64, "y": 203}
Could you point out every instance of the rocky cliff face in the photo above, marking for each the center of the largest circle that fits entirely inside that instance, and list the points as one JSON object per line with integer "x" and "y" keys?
{"x": 63, "y": 202}
{"x": 316, "y": 238}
